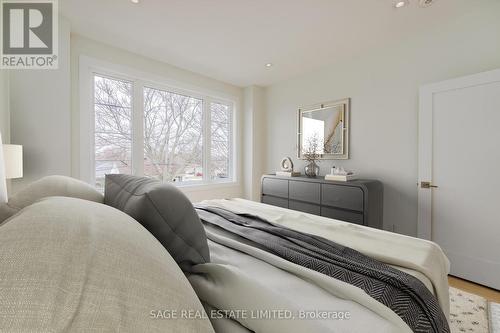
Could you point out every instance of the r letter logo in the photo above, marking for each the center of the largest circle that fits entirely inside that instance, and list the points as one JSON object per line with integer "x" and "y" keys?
{"x": 29, "y": 34}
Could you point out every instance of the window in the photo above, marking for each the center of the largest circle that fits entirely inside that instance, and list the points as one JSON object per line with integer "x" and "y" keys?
{"x": 113, "y": 127}
{"x": 173, "y": 136}
{"x": 166, "y": 134}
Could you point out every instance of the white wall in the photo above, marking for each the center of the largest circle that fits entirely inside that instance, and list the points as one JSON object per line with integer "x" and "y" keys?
{"x": 254, "y": 133}
{"x": 41, "y": 116}
{"x": 384, "y": 86}
{"x": 81, "y": 46}
{"x": 4, "y": 106}
{"x": 45, "y": 109}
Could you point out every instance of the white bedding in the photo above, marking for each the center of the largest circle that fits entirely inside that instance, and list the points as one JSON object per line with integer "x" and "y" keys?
{"x": 238, "y": 281}
{"x": 256, "y": 279}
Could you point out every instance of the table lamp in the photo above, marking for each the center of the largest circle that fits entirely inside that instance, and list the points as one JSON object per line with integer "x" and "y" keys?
{"x": 13, "y": 157}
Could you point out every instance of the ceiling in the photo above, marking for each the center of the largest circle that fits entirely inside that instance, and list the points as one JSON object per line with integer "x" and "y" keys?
{"x": 232, "y": 40}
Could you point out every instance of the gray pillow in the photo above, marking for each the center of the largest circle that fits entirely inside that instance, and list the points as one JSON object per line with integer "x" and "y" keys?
{"x": 163, "y": 210}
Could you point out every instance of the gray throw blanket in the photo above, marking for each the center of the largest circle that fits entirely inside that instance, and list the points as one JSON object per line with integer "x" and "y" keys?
{"x": 401, "y": 292}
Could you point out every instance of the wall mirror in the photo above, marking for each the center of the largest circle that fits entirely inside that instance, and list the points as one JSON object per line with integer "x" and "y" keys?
{"x": 324, "y": 128}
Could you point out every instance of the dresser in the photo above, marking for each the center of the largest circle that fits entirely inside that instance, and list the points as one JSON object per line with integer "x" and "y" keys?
{"x": 358, "y": 201}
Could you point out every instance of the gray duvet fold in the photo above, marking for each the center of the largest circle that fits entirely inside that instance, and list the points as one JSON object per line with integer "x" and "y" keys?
{"x": 401, "y": 292}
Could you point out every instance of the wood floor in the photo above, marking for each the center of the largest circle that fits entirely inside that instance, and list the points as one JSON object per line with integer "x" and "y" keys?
{"x": 470, "y": 287}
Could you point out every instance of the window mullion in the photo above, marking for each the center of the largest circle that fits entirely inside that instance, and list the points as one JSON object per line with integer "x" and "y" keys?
{"x": 232, "y": 153}
{"x": 138, "y": 129}
{"x": 207, "y": 131}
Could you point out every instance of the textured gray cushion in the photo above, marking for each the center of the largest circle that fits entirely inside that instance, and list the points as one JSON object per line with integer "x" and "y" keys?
{"x": 165, "y": 211}
{"x": 71, "y": 265}
{"x": 50, "y": 186}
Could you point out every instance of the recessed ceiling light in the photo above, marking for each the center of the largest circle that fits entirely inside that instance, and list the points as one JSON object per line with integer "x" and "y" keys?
{"x": 135, "y": 1}
{"x": 401, "y": 3}
{"x": 426, "y": 3}
{"x": 269, "y": 65}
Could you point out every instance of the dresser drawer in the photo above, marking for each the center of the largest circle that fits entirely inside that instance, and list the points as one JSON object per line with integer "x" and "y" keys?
{"x": 340, "y": 196}
{"x": 304, "y": 207}
{"x": 359, "y": 201}
{"x": 276, "y": 187}
{"x": 342, "y": 215}
{"x": 280, "y": 202}
{"x": 304, "y": 191}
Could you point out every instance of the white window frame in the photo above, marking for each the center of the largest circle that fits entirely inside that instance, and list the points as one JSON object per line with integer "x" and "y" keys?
{"x": 89, "y": 67}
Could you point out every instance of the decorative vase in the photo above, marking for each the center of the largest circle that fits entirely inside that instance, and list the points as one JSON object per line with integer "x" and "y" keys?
{"x": 311, "y": 169}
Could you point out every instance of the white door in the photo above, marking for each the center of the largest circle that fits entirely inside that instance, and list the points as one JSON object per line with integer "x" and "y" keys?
{"x": 459, "y": 152}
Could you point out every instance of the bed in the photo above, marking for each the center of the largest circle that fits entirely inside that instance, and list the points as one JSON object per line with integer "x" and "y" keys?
{"x": 263, "y": 281}
{"x": 228, "y": 283}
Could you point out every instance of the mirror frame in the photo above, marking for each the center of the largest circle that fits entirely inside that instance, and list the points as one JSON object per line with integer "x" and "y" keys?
{"x": 346, "y": 103}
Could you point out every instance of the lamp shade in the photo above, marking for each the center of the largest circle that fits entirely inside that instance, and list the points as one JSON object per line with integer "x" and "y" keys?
{"x": 13, "y": 157}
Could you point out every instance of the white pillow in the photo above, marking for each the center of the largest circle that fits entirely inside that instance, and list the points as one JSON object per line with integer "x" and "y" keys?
{"x": 51, "y": 186}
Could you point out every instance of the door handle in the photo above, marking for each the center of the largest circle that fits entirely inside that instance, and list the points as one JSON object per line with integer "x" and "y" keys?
{"x": 427, "y": 185}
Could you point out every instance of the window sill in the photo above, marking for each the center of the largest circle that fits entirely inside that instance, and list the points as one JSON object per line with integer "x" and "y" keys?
{"x": 196, "y": 187}
{"x": 204, "y": 186}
